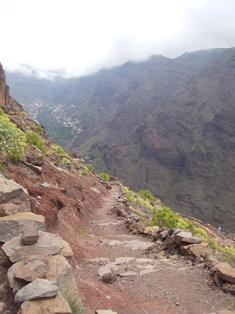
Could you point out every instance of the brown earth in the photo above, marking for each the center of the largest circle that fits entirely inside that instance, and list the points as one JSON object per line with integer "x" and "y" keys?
{"x": 161, "y": 284}
{"x": 79, "y": 209}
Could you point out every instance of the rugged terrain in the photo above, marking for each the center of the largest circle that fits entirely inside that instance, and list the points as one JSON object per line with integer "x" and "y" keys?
{"x": 117, "y": 271}
{"x": 165, "y": 124}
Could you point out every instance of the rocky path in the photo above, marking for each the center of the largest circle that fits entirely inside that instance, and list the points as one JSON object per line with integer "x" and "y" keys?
{"x": 137, "y": 277}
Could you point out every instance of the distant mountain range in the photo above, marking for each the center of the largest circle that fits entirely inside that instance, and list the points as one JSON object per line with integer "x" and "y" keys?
{"x": 163, "y": 124}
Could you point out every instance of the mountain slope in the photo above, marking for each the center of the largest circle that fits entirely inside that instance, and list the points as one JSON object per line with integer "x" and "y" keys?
{"x": 165, "y": 124}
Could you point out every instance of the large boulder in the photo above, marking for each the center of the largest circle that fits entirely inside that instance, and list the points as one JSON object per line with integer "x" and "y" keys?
{"x": 37, "y": 289}
{"x": 226, "y": 272}
{"x": 56, "y": 305}
{"x": 61, "y": 274}
{"x": 13, "y": 193}
{"x": 186, "y": 237}
{"x": 14, "y": 225}
{"x": 47, "y": 244}
{"x": 26, "y": 271}
{"x": 196, "y": 250}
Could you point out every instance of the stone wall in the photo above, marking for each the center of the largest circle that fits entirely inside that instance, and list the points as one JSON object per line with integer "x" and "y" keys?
{"x": 40, "y": 275}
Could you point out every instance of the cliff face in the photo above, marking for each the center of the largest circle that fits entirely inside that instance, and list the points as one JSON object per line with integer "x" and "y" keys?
{"x": 4, "y": 89}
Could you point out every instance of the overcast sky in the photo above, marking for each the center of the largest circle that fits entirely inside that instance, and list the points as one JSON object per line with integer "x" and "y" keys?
{"x": 82, "y": 36}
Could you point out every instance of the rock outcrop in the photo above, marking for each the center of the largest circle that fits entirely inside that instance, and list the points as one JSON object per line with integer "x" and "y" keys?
{"x": 4, "y": 89}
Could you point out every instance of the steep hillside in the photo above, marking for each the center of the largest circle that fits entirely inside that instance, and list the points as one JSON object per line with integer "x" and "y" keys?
{"x": 41, "y": 188}
{"x": 129, "y": 253}
{"x": 165, "y": 124}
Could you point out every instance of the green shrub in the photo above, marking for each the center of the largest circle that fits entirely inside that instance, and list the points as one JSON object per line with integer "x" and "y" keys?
{"x": 59, "y": 151}
{"x": 2, "y": 167}
{"x": 63, "y": 159}
{"x": 33, "y": 138}
{"x": 165, "y": 217}
{"x": 146, "y": 194}
{"x": 90, "y": 167}
{"x": 23, "y": 114}
{"x": 104, "y": 176}
{"x": 12, "y": 139}
{"x": 39, "y": 128}
{"x": 200, "y": 232}
{"x": 137, "y": 199}
{"x": 228, "y": 252}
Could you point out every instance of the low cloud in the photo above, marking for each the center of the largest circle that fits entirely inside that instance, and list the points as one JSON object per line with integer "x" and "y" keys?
{"x": 80, "y": 38}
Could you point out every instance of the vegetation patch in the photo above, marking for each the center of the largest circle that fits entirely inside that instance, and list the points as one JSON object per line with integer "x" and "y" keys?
{"x": 104, "y": 176}
{"x": 32, "y": 138}
{"x": 62, "y": 158}
{"x": 143, "y": 198}
{"x": 12, "y": 139}
{"x": 2, "y": 167}
{"x": 165, "y": 217}
{"x": 86, "y": 169}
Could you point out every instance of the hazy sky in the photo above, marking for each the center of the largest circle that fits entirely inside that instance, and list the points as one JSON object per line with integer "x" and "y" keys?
{"x": 82, "y": 36}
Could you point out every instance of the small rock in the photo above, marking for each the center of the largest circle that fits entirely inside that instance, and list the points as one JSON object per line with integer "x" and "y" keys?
{"x": 127, "y": 274}
{"x": 37, "y": 289}
{"x": 229, "y": 288}
{"x": 164, "y": 234}
{"x": 108, "y": 278}
{"x": 106, "y": 273}
{"x": 123, "y": 260}
{"x": 151, "y": 231}
{"x": 46, "y": 185}
{"x": 30, "y": 234}
{"x": 36, "y": 169}
{"x": 218, "y": 282}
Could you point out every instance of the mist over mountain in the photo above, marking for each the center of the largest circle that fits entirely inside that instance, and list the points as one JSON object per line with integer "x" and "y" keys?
{"x": 164, "y": 124}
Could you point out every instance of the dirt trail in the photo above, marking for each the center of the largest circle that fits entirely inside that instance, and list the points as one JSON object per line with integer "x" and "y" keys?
{"x": 149, "y": 283}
